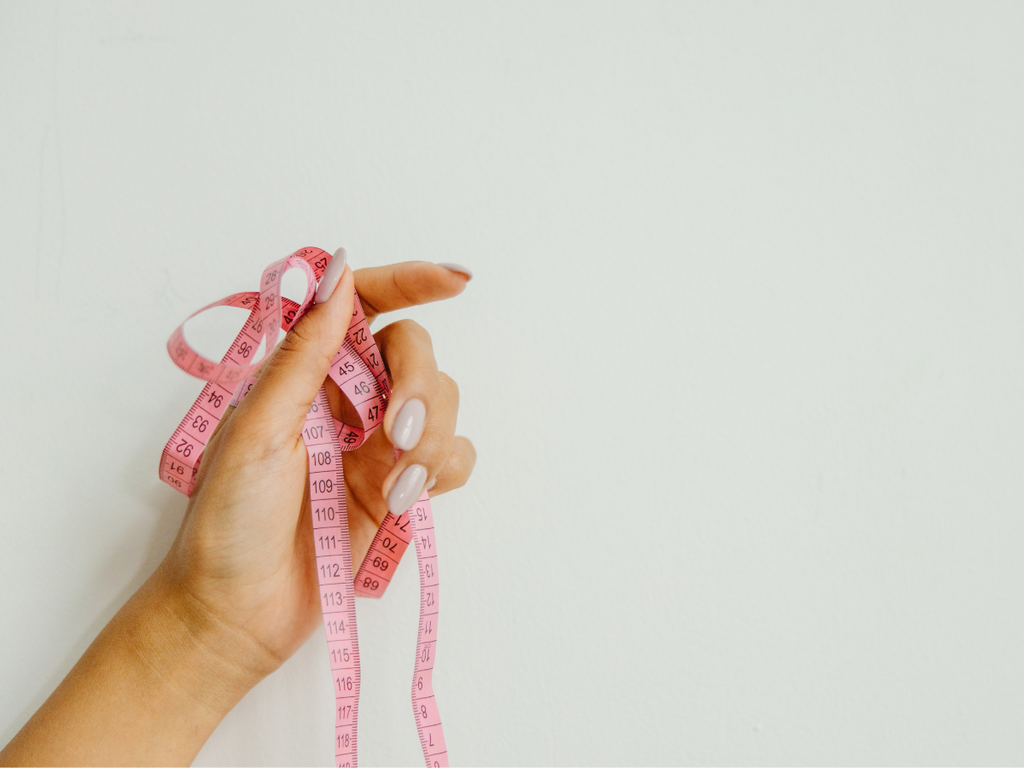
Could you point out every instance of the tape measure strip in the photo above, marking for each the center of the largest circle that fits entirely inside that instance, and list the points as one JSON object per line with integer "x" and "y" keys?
{"x": 359, "y": 372}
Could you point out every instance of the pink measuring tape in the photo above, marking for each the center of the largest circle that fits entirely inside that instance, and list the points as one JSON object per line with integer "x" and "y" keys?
{"x": 358, "y": 370}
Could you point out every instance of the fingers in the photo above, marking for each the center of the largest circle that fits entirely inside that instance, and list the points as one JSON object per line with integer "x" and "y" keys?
{"x": 296, "y": 370}
{"x": 417, "y": 467}
{"x": 456, "y": 469}
{"x": 421, "y": 418}
{"x": 397, "y": 286}
{"x": 406, "y": 347}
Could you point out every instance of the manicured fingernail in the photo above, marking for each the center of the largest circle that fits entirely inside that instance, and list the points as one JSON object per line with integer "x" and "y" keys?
{"x": 457, "y": 268}
{"x": 408, "y": 424}
{"x": 407, "y": 488}
{"x": 331, "y": 277}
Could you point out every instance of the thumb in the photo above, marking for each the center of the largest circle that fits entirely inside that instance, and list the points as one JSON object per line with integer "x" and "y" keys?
{"x": 296, "y": 370}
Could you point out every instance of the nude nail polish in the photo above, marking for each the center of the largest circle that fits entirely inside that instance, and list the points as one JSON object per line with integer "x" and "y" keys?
{"x": 457, "y": 268}
{"x": 408, "y": 424}
{"x": 331, "y": 277}
{"x": 407, "y": 488}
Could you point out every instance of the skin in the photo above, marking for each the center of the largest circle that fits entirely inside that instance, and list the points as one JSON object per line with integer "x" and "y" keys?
{"x": 237, "y": 593}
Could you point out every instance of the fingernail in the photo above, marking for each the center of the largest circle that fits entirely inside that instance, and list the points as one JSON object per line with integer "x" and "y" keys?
{"x": 407, "y": 488}
{"x": 331, "y": 276}
{"x": 408, "y": 424}
{"x": 457, "y": 268}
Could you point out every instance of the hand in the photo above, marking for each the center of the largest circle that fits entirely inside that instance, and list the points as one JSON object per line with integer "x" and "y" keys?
{"x": 244, "y": 553}
{"x": 237, "y": 594}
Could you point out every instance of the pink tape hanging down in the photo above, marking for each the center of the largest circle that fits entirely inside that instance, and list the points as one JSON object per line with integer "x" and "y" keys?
{"x": 358, "y": 370}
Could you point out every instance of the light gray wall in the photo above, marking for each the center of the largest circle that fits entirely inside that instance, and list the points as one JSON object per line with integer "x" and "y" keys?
{"x": 741, "y": 359}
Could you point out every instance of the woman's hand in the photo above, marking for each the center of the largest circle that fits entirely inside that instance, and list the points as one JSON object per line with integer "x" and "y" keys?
{"x": 237, "y": 593}
{"x": 245, "y": 549}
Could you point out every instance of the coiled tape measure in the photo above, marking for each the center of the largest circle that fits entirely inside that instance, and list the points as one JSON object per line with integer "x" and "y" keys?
{"x": 358, "y": 370}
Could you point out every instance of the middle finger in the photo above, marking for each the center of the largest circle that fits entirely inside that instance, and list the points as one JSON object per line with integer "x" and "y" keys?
{"x": 409, "y": 356}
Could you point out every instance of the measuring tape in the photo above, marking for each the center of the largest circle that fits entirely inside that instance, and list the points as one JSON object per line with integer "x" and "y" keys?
{"x": 358, "y": 370}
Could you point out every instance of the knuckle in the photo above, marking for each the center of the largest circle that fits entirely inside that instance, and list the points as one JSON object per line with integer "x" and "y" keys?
{"x": 434, "y": 448}
{"x": 412, "y": 329}
{"x": 403, "y": 340}
{"x": 467, "y": 455}
{"x": 456, "y": 471}
{"x": 303, "y": 339}
{"x": 450, "y": 386}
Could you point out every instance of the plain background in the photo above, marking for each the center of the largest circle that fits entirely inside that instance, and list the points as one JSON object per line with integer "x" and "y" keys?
{"x": 741, "y": 357}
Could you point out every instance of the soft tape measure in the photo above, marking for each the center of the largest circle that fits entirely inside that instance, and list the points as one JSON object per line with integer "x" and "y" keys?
{"x": 358, "y": 370}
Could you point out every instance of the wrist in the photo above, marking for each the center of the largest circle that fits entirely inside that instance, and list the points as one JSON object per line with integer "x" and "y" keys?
{"x": 185, "y": 668}
{"x": 211, "y": 664}
{"x": 150, "y": 689}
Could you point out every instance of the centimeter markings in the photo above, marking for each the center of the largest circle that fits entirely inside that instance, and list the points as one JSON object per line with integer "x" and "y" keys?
{"x": 334, "y": 573}
{"x": 386, "y": 550}
{"x": 424, "y": 707}
{"x": 359, "y": 372}
{"x": 180, "y": 462}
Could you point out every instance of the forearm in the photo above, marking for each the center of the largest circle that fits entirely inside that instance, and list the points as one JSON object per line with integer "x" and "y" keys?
{"x": 149, "y": 690}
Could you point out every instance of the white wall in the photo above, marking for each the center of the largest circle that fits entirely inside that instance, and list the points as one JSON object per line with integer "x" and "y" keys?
{"x": 741, "y": 359}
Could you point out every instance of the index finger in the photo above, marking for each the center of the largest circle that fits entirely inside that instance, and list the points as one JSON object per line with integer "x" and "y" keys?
{"x": 407, "y": 284}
